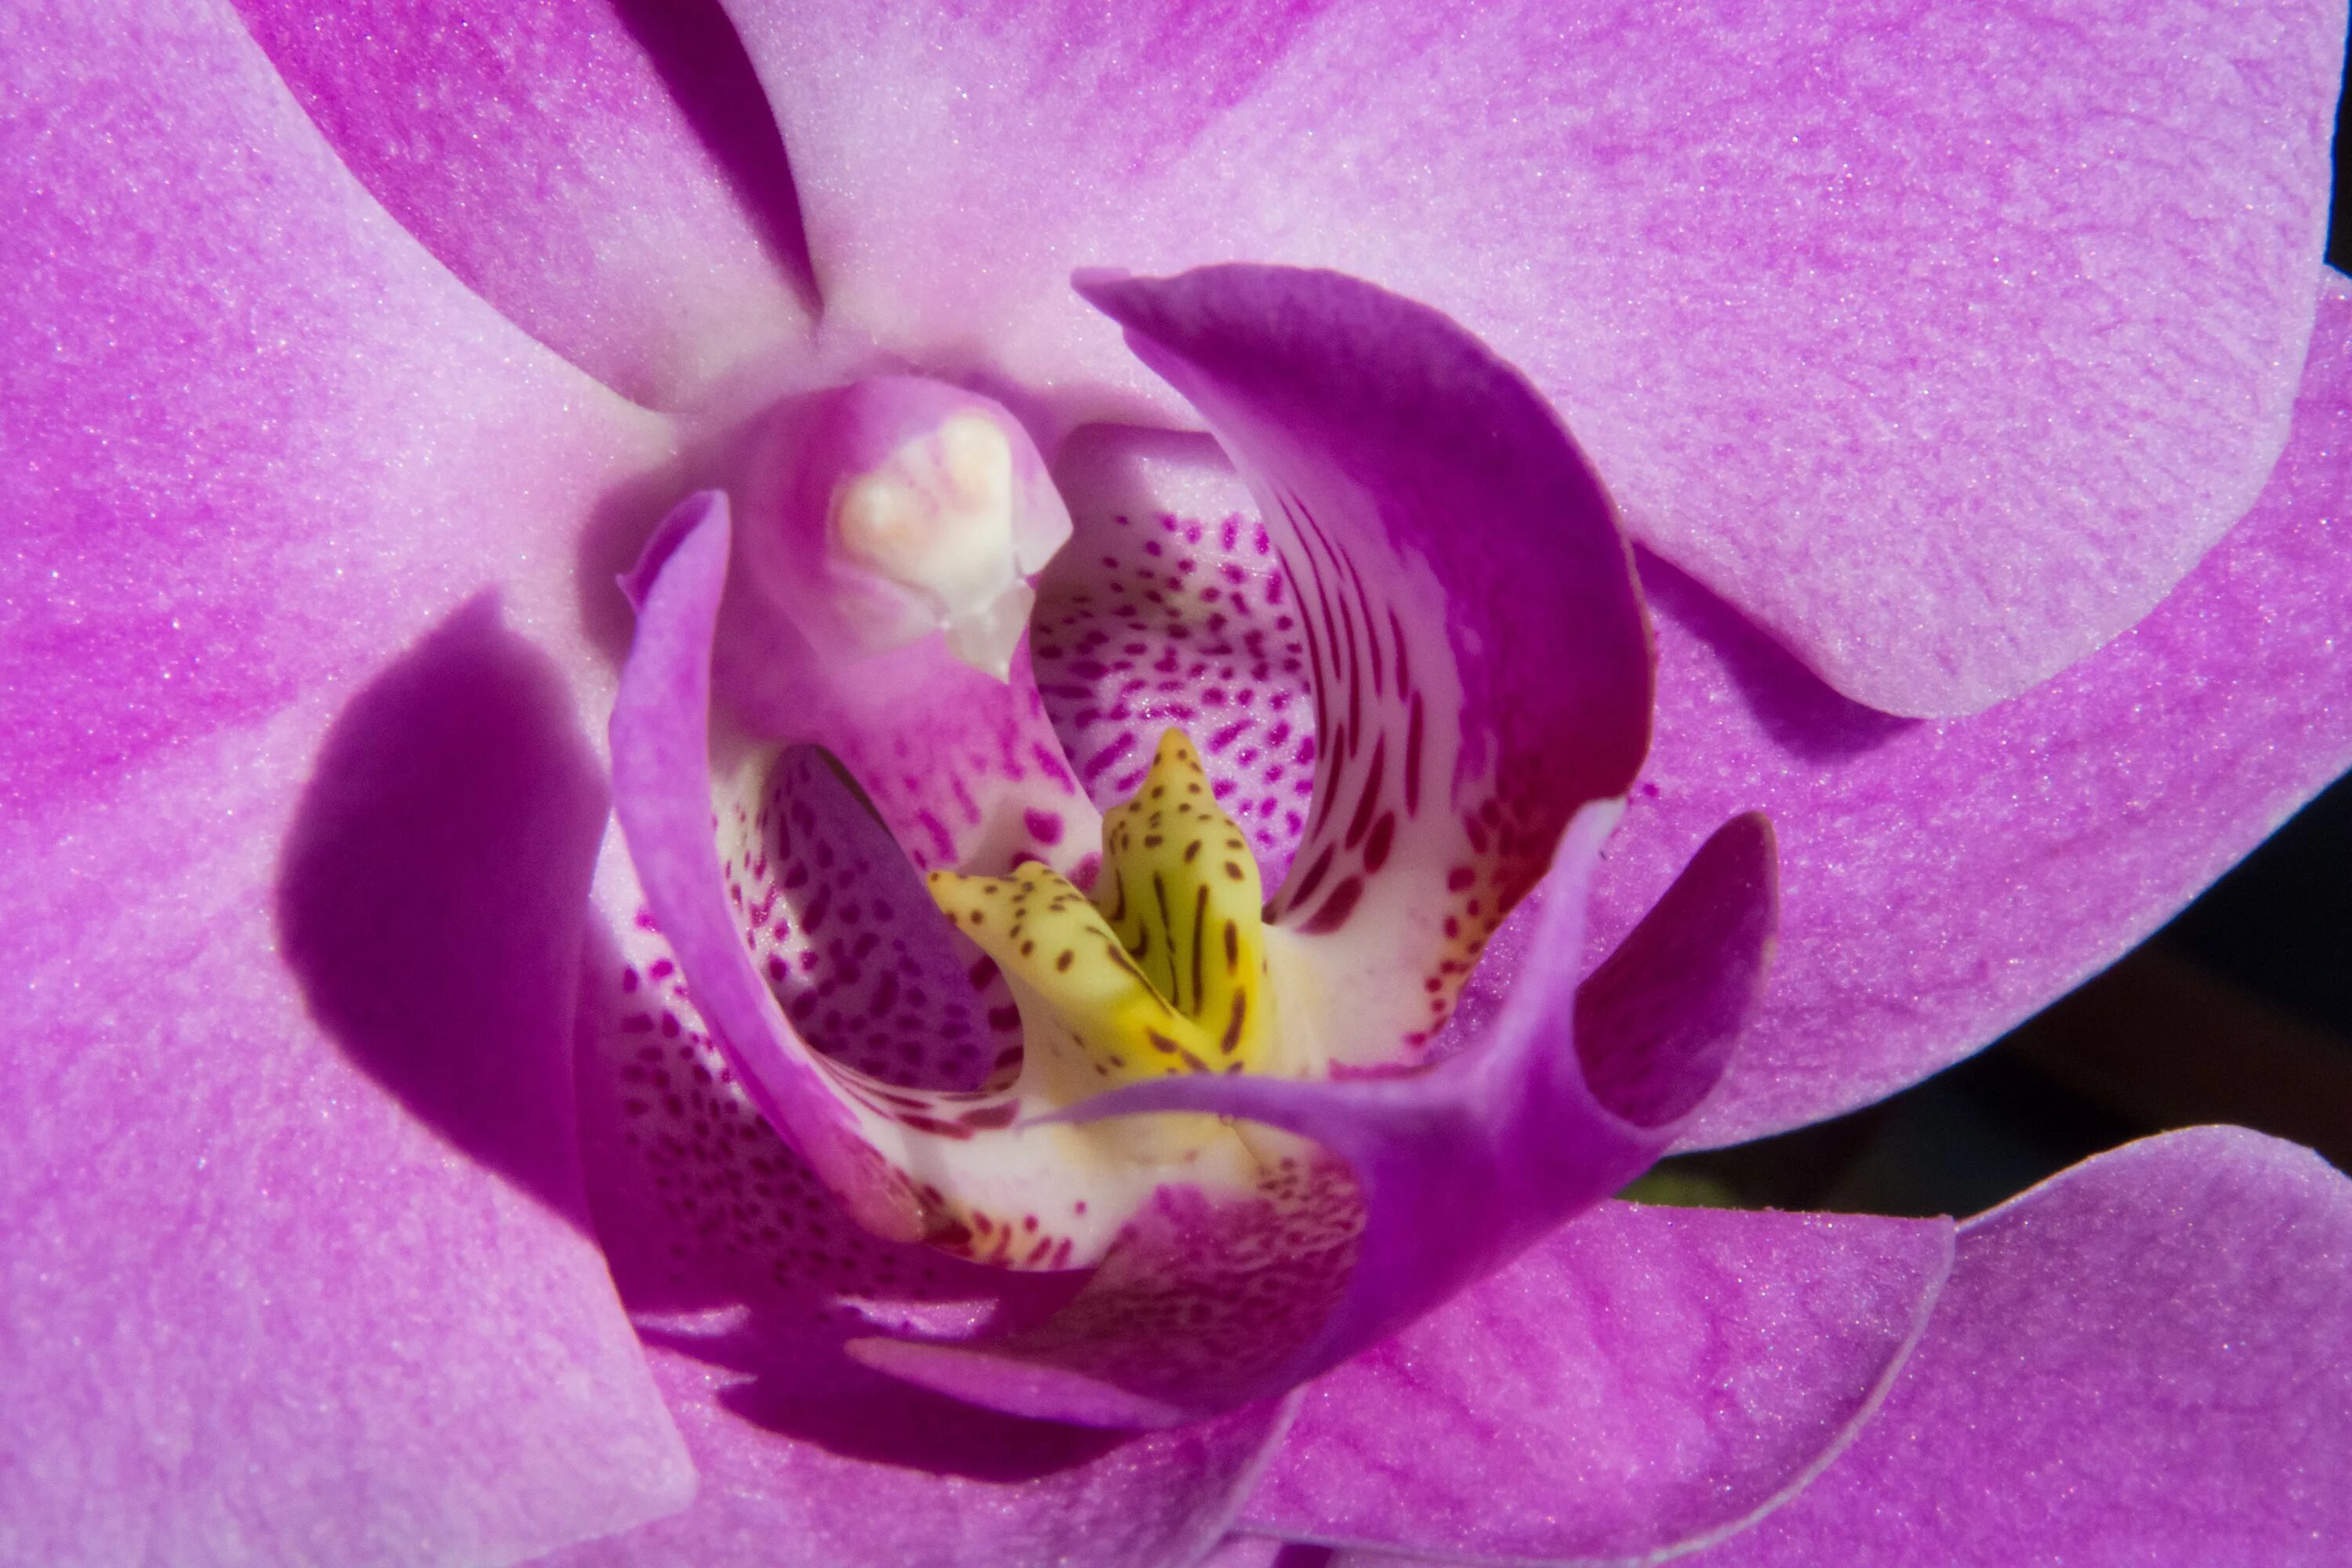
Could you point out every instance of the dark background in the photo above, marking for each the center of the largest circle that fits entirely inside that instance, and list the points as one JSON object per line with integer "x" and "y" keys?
{"x": 2240, "y": 1010}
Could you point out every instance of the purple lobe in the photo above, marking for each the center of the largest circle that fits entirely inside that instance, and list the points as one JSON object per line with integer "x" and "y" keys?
{"x": 2149, "y": 1358}
{"x": 606, "y": 173}
{"x": 1460, "y": 1165}
{"x": 1641, "y": 1378}
{"x": 1942, "y": 880}
{"x": 1942, "y": 344}
{"x": 661, "y": 793}
{"x": 1477, "y": 650}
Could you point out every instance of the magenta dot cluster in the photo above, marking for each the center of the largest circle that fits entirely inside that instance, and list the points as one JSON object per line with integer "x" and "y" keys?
{"x": 1144, "y": 624}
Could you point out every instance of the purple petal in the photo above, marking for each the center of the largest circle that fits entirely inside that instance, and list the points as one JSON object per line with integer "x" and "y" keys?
{"x": 1460, "y": 1166}
{"x": 254, "y": 1299}
{"x": 1942, "y": 346}
{"x": 661, "y": 793}
{"x": 1476, "y": 650}
{"x": 283, "y": 473}
{"x": 258, "y": 442}
{"x": 1246, "y": 1552}
{"x": 1640, "y": 1379}
{"x": 1945, "y": 881}
{"x": 2149, "y": 1358}
{"x": 606, "y": 173}
{"x": 810, "y": 1474}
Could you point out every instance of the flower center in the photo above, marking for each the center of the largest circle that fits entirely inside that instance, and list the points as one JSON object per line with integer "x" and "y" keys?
{"x": 1163, "y": 971}
{"x": 894, "y": 507}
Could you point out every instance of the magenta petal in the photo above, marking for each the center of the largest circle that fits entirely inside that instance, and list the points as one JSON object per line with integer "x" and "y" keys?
{"x": 2147, "y": 1359}
{"x": 1461, "y": 1165}
{"x": 1943, "y": 344}
{"x": 662, "y": 794}
{"x": 1640, "y": 1379}
{"x": 1944, "y": 880}
{"x": 1414, "y": 439}
{"x": 1478, "y": 657}
{"x": 258, "y": 441}
{"x": 258, "y": 1310}
{"x": 253, "y": 472}
{"x": 999, "y": 1493}
{"x": 606, "y": 173}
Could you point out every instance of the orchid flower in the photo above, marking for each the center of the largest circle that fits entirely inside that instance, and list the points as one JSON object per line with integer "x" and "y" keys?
{"x": 403, "y": 1166}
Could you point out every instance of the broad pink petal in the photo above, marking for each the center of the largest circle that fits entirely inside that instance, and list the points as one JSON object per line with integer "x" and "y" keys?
{"x": 260, "y": 1308}
{"x": 256, "y": 470}
{"x": 1546, "y": 1106}
{"x": 1642, "y": 1378}
{"x": 1944, "y": 880}
{"x": 798, "y": 1471}
{"x": 1245, "y": 1551}
{"x": 260, "y": 441}
{"x": 1943, "y": 344}
{"x": 1478, "y": 654}
{"x": 2147, "y": 1359}
{"x": 606, "y": 173}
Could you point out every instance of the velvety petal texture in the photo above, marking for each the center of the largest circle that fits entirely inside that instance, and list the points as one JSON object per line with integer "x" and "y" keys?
{"x": 252, "y": 1306}
{"x": 1944, "y": 880}
{"x": 606, "y": 173}
{"x": 1641, "y": 1378}
{"x": 879, "y": 1474}
{"x": 1941, "y": 344}
{"x": 2147, "y": 1359}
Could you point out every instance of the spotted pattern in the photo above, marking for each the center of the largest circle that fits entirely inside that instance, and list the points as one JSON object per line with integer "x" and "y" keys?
{"x": 971, "y": 777}
{"x": 1199, "y": 1293}
{"x": 1164, "y": 972}
{"x": 1147, "y": 621}
{"x": 1406, "y": 810}
{"x": 698, "y": 1198}
{"x": 1320, "y": 683}
{"x": 737, "y": 1191}
{"x": 846, "y": 936}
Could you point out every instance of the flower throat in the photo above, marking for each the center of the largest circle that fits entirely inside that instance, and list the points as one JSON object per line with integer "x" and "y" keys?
{"x": 1164, "y": 970}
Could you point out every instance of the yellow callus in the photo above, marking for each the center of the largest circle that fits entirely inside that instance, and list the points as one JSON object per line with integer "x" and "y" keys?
{"x": 1163, "y": 971}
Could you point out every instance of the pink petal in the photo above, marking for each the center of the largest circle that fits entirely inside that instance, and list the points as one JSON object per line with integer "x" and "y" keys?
{"x": 2147, "y": 1359}
{"x": 1944, "y": 880}
{"x": 262, "y": 467}
{"x": 1245, "y": 1551}
{"x": 259, "y": 440}
{"x": 1642, "y": 1378}
{"x": 1944, "y": 346}
{"x": 607, "y": 175}
{"x": 1477, "y": 653}
{"x": 807, "y": 1475}
{"x": 259, "y": 1310}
